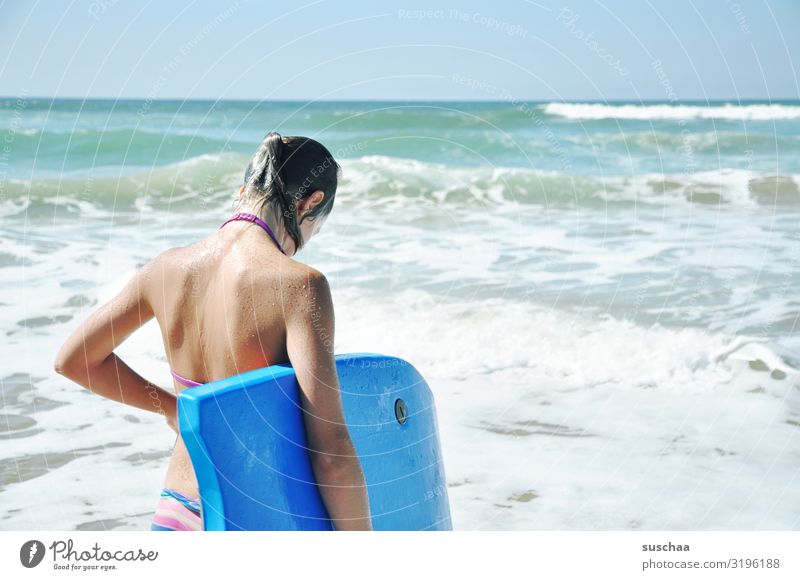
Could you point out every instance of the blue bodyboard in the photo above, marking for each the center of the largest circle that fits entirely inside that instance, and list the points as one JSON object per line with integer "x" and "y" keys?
{"x": 246, "y": 438}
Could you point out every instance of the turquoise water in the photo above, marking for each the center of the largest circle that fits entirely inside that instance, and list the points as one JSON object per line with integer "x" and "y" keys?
{"x": 51, "y": 138}
{"x": 573, "y": 279}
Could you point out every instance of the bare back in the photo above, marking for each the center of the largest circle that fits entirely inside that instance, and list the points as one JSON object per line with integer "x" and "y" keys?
{"x": 222, "y": 306}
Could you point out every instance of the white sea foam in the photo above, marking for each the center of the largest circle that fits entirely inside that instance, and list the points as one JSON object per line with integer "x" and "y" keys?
{"x": 405, "y": 182}
{"x": 497, "y": 334}
{"x": 728, "y": 111}
{"x": 204, "y": 183}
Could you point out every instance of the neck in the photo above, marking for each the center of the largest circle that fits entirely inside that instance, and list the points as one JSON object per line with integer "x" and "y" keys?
{"x": 275, "y": 224}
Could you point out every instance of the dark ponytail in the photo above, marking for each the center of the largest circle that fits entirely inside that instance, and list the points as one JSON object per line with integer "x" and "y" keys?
{"x": 286, "y": 170}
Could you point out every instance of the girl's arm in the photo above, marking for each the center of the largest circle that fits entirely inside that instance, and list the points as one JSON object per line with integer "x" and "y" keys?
{"x": 87, "y": 356}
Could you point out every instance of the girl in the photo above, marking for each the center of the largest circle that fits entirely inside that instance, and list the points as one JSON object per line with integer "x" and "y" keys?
{"x": 233, "y": 302}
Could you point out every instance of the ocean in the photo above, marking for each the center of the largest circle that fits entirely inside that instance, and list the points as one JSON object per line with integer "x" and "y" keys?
{"x": 603, "y": 297}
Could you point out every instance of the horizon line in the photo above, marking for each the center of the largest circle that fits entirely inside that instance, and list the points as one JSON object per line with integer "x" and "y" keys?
{"x": 769, "y": 100}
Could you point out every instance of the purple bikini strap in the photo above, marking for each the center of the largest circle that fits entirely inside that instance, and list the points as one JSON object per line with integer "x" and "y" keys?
{"x": 184, "y": 380}
{"x": 256, "y": 220}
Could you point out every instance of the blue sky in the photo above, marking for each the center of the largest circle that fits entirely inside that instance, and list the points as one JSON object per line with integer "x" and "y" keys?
{"x": 321, "y": 49}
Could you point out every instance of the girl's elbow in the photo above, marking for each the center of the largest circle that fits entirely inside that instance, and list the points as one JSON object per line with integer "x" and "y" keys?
{"x": 66, "y": 363}
{"x": 61, "y": 365}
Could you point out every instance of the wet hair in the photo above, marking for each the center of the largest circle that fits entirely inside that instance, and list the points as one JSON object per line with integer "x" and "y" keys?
{"x": 286, "y": 170}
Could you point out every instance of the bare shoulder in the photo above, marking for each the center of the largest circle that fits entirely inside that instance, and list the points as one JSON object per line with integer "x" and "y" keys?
{"x": 312, "y": 275}
{"x": 164, "y": 264}
{"x": 171, "y": 254}
{"x": 162, "y": 272}
{"x": 305, "y": 288}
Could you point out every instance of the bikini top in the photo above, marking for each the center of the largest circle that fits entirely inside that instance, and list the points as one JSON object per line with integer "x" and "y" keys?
{"x": 245, "y": 217}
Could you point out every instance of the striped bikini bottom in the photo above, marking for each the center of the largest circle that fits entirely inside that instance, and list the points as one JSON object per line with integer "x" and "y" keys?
{"x": 176, "y": 512}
